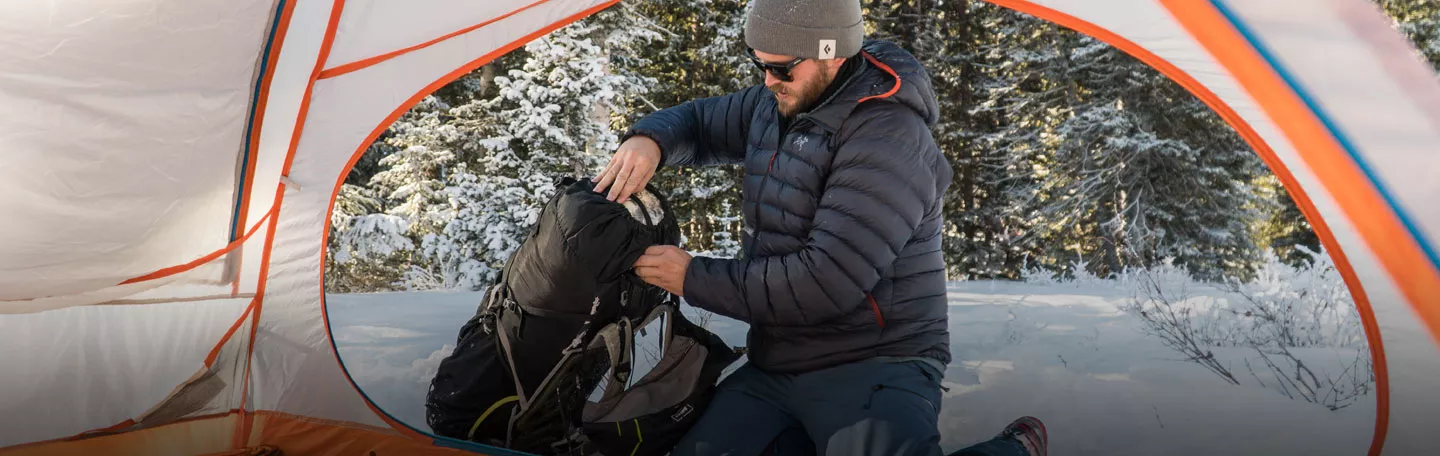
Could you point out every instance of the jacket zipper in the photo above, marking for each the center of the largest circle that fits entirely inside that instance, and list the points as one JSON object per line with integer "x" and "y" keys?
{"x": 780, "y": 142}
{"x": 755, "y": 237}
{"x": 876, "y": 308}
{"x": 765, "y": 182}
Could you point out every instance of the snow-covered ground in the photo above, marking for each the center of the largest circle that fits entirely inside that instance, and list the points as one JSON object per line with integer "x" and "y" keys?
{"x": 1063, "y": 352}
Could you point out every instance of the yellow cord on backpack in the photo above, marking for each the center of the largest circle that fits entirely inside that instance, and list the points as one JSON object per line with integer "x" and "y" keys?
{"x": 638, "y": 437}
{"x": 487, "y": 413}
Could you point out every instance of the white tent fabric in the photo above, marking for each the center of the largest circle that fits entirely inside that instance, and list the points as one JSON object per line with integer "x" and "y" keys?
{"x": 1358, "y": 82}
{"x": 120, "y": 148}
{"x": 367, "y": 30}
{"x": 178, "y": 161}
{"x": 107, "y": 377}
{"x": 199, "y": 111}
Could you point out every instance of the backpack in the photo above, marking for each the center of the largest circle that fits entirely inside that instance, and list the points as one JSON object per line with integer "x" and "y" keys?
{"x": 560, "y": 322}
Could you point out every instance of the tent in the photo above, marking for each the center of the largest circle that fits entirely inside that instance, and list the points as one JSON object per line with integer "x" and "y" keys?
{"x": 167, "y": 170}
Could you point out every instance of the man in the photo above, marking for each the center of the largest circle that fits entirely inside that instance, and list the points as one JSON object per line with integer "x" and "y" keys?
{"x": 841, "y": 278}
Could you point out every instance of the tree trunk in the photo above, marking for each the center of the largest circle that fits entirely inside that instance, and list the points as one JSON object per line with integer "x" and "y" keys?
{"x": 487, "y": 79}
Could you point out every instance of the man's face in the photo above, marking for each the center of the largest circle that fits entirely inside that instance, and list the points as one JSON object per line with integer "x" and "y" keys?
{"x": 807, "y": 81}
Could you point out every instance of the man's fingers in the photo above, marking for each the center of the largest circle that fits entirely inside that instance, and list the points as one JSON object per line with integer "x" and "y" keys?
{"x": 599, "y": 179}
{"x": 627, "y": 175}
{"x": 655, "y": 258}
{"x": 634, "y": 183}
{"x": 606, "y": 176}
{"x": 647, "y": 260}
{"x": 622, "y": 176}
{"x": 648, "y": 273}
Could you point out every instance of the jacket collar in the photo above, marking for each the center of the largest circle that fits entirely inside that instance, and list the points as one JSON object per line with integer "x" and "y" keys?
{"x": 872, "y": 79}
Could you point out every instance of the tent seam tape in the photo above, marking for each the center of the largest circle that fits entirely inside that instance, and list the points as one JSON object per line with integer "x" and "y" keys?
{"x": 281, "y": 27}
{"x": 371, "y": 61}
{"x": 181, "y": 268}
{"x": 246, "y": 425}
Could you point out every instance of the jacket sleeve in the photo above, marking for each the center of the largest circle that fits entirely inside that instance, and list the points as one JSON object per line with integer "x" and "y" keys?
{"x": 880, "y": 186}
{"x": 707, "y": 131}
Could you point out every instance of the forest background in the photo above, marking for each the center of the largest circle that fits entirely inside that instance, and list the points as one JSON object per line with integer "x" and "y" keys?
{"x": 1070, "y": 157}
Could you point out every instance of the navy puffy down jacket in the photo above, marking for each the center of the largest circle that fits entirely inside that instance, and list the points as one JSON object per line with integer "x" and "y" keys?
{"x": 842, "y": 248}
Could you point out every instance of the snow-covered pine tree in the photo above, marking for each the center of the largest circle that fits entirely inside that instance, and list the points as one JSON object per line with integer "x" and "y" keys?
{"x": 1128, "y": 168}
{"x": 393, "y": 199}
{"x": 982, "y": 236}
{"x": 1420, "y": 21}
{"x": 364, "y": 253}
{"x": 1204, "y": 199}
{"x": 1022, "y": 96}
{"x": 701, "y": 54}
{"x": 1283, "y": 228}
{"x": 555, "y": 115}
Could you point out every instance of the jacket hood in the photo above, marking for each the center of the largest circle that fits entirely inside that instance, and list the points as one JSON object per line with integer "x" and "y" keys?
{"x": 889, "y": 74}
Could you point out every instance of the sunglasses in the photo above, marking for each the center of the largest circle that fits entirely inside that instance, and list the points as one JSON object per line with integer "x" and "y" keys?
{"x": 780, "y": 70}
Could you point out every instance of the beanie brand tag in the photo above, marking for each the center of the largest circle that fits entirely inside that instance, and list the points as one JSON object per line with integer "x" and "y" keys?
{"x": 827, "y": 49}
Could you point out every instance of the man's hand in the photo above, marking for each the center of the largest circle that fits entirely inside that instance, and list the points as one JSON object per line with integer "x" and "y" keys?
{"x": 664, "y": 266}
{"x": 630, "y": 168}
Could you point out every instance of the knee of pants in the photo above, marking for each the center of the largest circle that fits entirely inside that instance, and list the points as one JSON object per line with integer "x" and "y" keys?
{"x": 913, "y": 386}
{"x": 791, "y": 442}
{"x": 736, "y": 421}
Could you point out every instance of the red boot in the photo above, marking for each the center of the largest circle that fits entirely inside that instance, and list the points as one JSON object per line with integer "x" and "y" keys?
{"x": 1030, "y": 432}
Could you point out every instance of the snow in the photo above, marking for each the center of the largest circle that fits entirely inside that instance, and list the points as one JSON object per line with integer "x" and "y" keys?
{"x": 1065, "y": 352}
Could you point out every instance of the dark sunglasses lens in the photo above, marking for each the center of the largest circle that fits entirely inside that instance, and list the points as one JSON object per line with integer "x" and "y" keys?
{"x": 781, "y": 72}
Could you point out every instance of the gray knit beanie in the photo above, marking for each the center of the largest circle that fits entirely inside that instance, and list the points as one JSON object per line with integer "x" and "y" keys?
{"x": 816, "y": 29}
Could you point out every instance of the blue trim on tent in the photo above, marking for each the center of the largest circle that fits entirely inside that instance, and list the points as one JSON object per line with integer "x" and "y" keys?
{"x": 250, "y": 121}
{"x": 447, "y": 442}
{"x": 1333, "y": 128}
{"x": 438, "y": 440}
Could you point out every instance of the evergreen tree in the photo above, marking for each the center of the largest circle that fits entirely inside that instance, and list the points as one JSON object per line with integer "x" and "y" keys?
{"x": 553, "y": 116}
{"x": 1419, "y": 20}
{"x": 459, "y": 179}
{"x": 1124, "y": 168}
{"x": 1023, "y": 95}
{"x": 1284, "y": 229}
{"x": 983, "y": 233}
{"x": 363, "y": 254}
{"x": 1064, "y": 150}
{"x": 377, "y": 223}
{"x": 701, "y": 54}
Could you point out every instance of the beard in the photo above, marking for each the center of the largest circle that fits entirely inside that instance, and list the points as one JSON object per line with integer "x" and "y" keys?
{"x": 799, "y": 96}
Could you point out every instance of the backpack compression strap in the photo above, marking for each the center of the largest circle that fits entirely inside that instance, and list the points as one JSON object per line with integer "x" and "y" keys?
{"x": 488, "y": 411}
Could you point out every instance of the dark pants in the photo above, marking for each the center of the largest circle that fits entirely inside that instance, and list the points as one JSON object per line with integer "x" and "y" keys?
{"x": 864, "y": 408}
